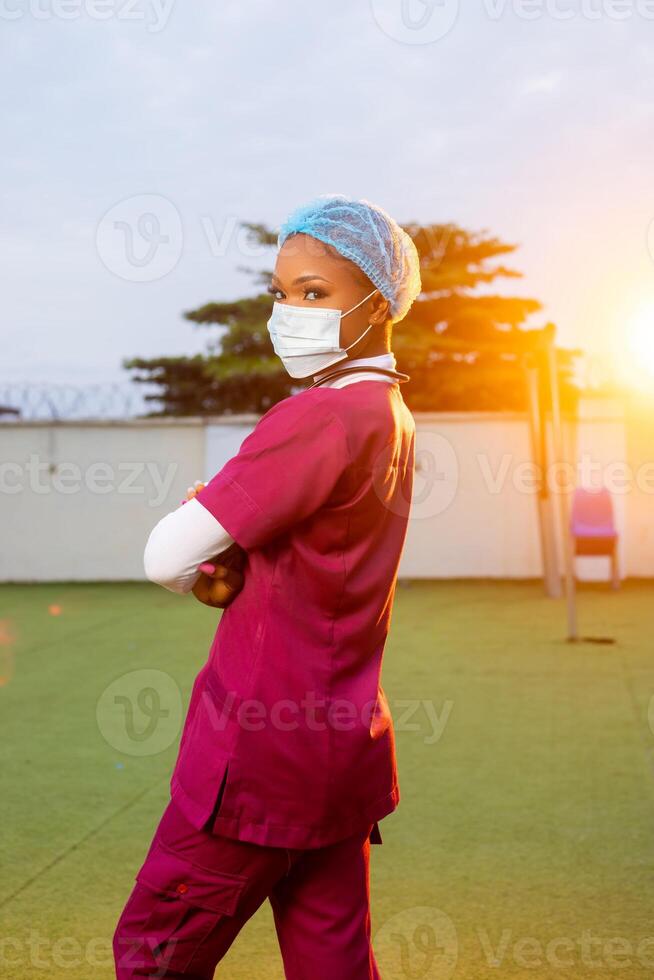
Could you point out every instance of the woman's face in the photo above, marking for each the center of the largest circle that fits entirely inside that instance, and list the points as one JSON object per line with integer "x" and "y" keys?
{"x": 308, "y": 274}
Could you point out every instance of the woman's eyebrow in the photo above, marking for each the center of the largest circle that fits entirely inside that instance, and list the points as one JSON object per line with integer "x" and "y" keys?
{"x": 301, "y": 279}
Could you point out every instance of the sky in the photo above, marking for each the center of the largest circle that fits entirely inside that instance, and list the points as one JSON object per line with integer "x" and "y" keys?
{"x": 138, "y": 134}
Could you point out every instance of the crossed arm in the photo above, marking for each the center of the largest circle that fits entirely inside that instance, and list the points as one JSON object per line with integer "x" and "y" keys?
{"x": 285, "y": 470}
{"x": 185, "y": 540}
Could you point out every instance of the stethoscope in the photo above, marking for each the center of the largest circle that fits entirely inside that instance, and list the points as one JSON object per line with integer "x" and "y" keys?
{"x": 388, "y": 372}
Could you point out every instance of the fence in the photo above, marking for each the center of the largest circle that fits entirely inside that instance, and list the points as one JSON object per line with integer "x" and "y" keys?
{"x": 28, "y": 401}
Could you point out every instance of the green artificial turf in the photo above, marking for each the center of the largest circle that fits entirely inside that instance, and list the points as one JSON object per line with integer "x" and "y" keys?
{"x": 524, "y": 842}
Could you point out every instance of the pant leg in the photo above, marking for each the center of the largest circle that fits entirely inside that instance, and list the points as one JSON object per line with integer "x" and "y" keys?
{"x": 322, "y": 913}
{"x": 193, "y": 894}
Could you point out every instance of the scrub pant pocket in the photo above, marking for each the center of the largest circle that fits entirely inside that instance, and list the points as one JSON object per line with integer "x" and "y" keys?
{"x": 192, "y": 896}
{"x": 174, "y": 907}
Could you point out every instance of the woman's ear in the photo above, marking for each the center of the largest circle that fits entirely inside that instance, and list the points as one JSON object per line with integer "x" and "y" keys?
{"x": 381, "y": 311}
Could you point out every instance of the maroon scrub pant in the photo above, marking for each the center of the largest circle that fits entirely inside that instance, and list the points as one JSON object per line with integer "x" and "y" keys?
{"x": 196, "y": 890}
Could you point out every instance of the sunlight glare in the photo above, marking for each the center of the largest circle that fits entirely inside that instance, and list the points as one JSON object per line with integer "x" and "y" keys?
{"x": 640, "y": 343}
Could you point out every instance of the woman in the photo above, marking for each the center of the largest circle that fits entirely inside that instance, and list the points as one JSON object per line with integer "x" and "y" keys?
{"x": 287, "y": 761}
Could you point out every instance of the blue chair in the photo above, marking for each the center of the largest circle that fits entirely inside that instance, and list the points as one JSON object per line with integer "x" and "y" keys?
{"x": 592, "y": 527}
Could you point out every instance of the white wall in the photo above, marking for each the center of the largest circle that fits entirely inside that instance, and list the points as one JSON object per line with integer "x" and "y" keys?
{"x": 469, "y": 516}
{"x": 77, "y": 500}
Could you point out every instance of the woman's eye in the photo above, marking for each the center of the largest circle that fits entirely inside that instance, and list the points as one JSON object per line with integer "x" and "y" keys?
{"x": 309, "y": 294}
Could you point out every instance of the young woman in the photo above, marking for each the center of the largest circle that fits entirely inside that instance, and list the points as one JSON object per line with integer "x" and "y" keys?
{"x": 287, "y": 761}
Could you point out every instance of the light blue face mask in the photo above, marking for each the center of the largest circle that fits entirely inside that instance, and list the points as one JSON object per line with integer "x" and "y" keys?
{"x": 307, "y": 339}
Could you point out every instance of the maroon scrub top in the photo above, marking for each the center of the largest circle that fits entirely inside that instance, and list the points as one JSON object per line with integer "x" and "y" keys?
{"x": 288, "y": 740}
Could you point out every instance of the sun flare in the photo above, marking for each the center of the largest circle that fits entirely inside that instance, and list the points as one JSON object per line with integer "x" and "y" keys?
{"x": 640, "y": 342}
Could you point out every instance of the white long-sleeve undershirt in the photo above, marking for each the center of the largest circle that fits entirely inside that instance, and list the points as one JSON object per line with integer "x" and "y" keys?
{"x": 179, "y": 543}
{"x": 190, "y": 535}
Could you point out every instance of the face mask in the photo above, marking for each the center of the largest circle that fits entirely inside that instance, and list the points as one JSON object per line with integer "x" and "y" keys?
{"x": 306, "y": 339}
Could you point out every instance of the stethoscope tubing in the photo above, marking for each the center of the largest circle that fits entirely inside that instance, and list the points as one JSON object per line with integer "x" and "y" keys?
{"x": 397, "y": 375}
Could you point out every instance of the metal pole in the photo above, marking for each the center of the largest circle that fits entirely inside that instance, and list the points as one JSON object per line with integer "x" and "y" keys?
{"x": 550, "y": 558}
{"x": 564, "y": 511}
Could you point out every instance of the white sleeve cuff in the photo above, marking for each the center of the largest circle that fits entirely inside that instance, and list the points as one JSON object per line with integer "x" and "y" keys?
{"x": 180, "y": 542}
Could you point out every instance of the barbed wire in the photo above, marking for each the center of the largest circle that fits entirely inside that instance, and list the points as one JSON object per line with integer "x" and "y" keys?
{"x": 110, "y": 401}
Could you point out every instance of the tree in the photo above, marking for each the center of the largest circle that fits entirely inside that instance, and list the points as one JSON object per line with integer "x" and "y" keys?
{"x": 460, "y": 342}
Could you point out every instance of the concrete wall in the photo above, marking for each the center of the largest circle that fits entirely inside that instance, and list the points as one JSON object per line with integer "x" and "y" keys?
{"x": 77, "y": 500}
{"x": 470, "y": 516}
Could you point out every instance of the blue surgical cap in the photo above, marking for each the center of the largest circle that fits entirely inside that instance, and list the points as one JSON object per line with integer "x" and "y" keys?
{"x": 369, "y": 237}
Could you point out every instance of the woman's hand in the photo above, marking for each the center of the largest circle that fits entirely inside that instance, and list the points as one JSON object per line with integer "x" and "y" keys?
{"x": 221, "y": 580}
{"x": 219, "y": 587}
{"x": 191, "y": 491}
